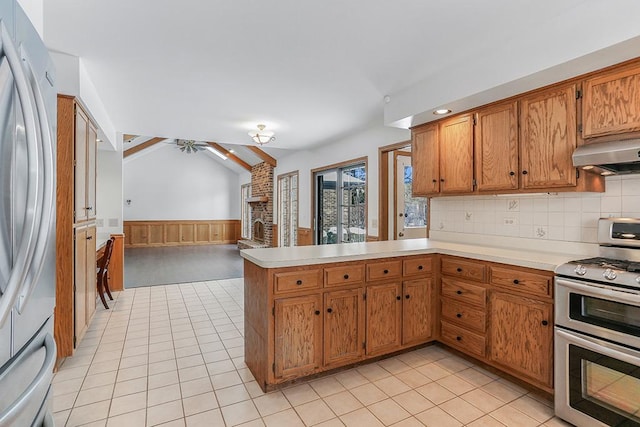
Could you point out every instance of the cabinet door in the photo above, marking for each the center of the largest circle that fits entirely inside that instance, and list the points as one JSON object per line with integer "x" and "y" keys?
{"x": 91, "y": 279}
{"x": 548, "y": 138}
{"x": 298, "y": 335}
{"x": 343, "y": 326}
{"x": 456, "y": 155}
{"x": 425, "y": 161}
{"x": 384, "y": 317}
{"x": 80, "y": 289}
{"x": 417, "y": 311}
{"x": 80, "y": 171}
{"x": 611, "y": 103}
{"x": 496, "y": 139}
{"x": 521, "y": 336}
{"x": 92, "y": 144}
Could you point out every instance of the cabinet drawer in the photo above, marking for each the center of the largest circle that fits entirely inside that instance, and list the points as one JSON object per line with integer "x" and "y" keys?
{"x": 344, "y": 275}
{"x": 297, "y": 280}
{"x": 464, "y": 315}
{"x": 464, "y": 292}
{"x": 463, "y": 339}
{"x": 463, "y": 268}
{"x": 537, "y": 284}
{"x": 384, "y": 270}
{"x": 416, "y": 266}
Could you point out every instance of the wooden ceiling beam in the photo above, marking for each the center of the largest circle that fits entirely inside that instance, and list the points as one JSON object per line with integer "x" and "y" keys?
{"x": 142, "y": 146}
{"x": 264, "y": 156}
{"x": 128, "y": 137}
{"x": 230, "y": 155}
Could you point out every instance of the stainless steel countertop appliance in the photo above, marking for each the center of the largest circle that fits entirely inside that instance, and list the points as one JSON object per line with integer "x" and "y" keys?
{"x": 27, "y": 221}
{"x": 597, "y": 331}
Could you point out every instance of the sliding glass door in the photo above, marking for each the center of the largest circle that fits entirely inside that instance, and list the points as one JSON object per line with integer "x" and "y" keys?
{"x": 341, "y": 204}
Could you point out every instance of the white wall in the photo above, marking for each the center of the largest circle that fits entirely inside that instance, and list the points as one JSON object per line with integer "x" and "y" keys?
{"x": 166, "y": 184}
{"x": 361, "y": 144}
{"x": 569, "y": 217}
{"x": 34, "y": 9}
{"x": 109, "y": 190}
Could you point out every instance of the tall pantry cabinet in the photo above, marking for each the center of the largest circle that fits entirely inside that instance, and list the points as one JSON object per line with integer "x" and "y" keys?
{"x": 76, "y": 227}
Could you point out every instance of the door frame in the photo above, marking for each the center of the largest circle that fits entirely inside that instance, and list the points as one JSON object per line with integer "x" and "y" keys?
{"x": 397, "y": 153}
{"x": 314, "y": 223}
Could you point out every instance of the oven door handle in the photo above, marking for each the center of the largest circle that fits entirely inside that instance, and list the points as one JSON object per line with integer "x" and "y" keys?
{"x": 605, "y": 292}
{"x": 603, "y": 347}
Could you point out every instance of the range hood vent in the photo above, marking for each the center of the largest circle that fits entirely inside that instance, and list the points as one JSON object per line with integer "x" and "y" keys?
{"x": 609, "y": 158}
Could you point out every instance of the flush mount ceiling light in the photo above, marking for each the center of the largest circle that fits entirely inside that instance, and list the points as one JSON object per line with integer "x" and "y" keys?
{"x": 261, "y": 136}
{"x": 188, "y": 146}
{"x": 441, "y": 111}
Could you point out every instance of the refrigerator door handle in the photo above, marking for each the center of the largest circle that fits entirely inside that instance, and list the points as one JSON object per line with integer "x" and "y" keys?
{"x": 40, "y": 383}
{"x": 26, "y": 248}
{"x": 46, "y": 192}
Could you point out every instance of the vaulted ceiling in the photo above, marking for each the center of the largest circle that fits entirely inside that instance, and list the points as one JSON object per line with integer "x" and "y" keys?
{"x": 312, "y": 71}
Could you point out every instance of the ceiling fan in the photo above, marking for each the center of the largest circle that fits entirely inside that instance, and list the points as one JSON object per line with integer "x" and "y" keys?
{"x": 191, "y": 146}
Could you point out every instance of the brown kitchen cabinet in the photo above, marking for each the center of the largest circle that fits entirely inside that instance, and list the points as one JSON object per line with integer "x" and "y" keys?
{"x": 417, "y": 311}
{"x": 456, "y": 155}
{"x": 548, "y": 138}
{"x": 611, "y": 102}
{"x": 84, "y": 280}
{"x": 496, "y": 145}
{"x": 85, "y": 145}
{"x": 425, "y": 160}
{"x": 384, "y": 317}
{"x": 297, "y": 335}
{"x": 343, "y": 327}
{"x": 521, "y": 336}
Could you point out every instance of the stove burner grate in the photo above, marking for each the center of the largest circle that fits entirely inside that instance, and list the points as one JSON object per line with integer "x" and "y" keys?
{"x": 618, "y": 264}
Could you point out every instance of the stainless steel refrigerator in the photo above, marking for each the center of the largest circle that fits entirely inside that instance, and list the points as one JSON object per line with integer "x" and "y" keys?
{"x": 27, "y": 221}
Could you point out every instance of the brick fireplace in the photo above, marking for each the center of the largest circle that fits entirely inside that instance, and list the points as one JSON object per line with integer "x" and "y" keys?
{"x": 261, "y": 202}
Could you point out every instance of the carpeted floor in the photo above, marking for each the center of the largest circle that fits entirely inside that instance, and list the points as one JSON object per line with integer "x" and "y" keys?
{"x": 179, "y": 264}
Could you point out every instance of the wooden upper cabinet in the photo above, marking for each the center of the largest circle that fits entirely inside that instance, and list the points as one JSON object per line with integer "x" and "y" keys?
{"x": 425, "y": 161}
{"x": 496, "y": 144}
{"x": 456, "y": 154}
{"x": 80, "y": 162}
{"x": 548, "y": 137}
{"x": 611, "y": 103}
{"x": 92, "y": 147}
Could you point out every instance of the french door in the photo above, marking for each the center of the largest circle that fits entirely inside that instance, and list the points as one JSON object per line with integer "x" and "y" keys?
{"x": 411, "y": 212}
{"x": 288, "y": 209}
{"x": 340, "y": 214}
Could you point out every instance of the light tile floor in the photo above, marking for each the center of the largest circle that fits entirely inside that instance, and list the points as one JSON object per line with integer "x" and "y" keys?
{"x": 173, "y": 356}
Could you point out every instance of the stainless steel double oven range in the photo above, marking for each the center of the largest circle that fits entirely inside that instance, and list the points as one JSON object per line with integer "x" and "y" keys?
{"x": 597, "y": 331}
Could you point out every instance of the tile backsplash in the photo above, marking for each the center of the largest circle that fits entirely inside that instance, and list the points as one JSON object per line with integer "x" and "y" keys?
{"x": 571, "y": 217}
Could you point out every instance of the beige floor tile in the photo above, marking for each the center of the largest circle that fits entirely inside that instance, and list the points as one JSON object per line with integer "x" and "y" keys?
{"x": 436, "y": 417}
{"x": 220, "y": 367}
{"x": 129, "y": 403}
{"x": 164, "y": 413}
{"x": 435, "y": 393}
{"x": 64, "y": 401}
{"x": 455, "y": 384}
{"x": 164, "y": 366}
{"x": 368, "y": 394}
{"x": 88, "y": 413}
{"x": 486, "y": 421}
{"x": 183, "y": 350}
{"x": 394, "y": 365}
{"x": 129, "y": 387}
{"x": 482, "y": 400}
{"x": 392, "y": 386}
{"x": 175, "y": 423}
{"x": 231, "y": 395}
{"x": 239, "y": 413}
{"x": 327, "y": 386}
{"x": 286, "y": 418}
{"x": 413, "y": 402}
{"x": 66, "y": 387}
{"x": 453, "y": 364}
{"x": 300, "y": 394}
{"x": 159, "y": 395}
{"x": 254, "y": 423}
{"x": 206, "y": 419}
{"x": 102, "y": 367}
{"x": 314, "y": 412}
{"x": 65, "y": 374}
{"x": 511, "y": 417}
{"x": 93, "y": 395}
{"x": 226, "y": 379}
{"x": 413, "y": 378}
{"x": 193, "y": 373}
{"x": 335, "y": 422}
{"x": 163, "y": 379}
{"x": 433, "y": 371}
{"x": 536, "y": 410}
{"x": 361, "y": 418}
{"x": 461, "y": 410}
{"x": 373, "y": 372}
{"x": 132, "y": 373}
{"x": 351, "y": 379}
{"x": 130, "y": 419}
{"x": 388, "y": 411}
{"x": 474, "y": 377}
{"x": 342, "y": 403}
{"x": 98, "y": 380}
{"x": 60, "y": 418}
{"x": 199, "y": 403}
{"x": 556, "y": 422}
{"x": 501, "y": 391}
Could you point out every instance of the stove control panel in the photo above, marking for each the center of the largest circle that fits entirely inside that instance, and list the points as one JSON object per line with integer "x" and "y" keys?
{"x": 609, "y": 274}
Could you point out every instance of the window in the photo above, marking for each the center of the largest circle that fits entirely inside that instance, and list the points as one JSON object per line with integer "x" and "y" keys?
{"x": 288, "y": 209}
{"x": 245, "y": 191}
{"x": 341, "y": 204}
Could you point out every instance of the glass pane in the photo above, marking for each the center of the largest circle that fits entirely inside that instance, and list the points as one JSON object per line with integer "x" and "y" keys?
{"x": 328, "y": 219}
{"x": 614, "y": 390}
{"x": 415, "y": 208}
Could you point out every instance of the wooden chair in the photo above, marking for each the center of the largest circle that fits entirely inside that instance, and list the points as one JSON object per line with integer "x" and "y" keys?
{"x": 103, "y": 273}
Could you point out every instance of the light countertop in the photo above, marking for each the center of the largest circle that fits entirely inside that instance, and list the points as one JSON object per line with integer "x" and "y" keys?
{"x": 307, "y": 255}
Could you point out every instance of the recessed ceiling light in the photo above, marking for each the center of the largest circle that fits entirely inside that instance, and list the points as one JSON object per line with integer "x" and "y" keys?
{"x": 441, "y": 111}
{"x": 231, "y": 151}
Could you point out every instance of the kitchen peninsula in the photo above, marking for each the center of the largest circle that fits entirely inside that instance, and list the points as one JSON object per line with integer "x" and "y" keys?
{"x": 315, "y": 308}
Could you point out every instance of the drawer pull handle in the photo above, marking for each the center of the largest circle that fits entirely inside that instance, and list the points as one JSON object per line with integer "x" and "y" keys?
{"x": 459, "y": 270}
{"x": 317, "y": 312}
{"x": 524, "y": 172}
{"x": 298, "y": 282}
{"x": 407, "y": 296}
{"x": 512, "y": 173}
{"x": 420, "y": 267}
{"x": 435, "y": 180}
{"x": 459, "y": 315}
{"x": 516, "y": 281}
{"x": 346, "y": 277}
{"x": 329, "y": 310}
{"x": 398, "y": 297}
{"x": 458, "y": 338}
{"x": 459, "y": 292}
{"x": 545, "y": 323}
{"x": 386, "y": 272}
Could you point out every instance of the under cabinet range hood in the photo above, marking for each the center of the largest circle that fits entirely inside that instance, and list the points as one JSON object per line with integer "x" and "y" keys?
{"x": 609, "y": 158}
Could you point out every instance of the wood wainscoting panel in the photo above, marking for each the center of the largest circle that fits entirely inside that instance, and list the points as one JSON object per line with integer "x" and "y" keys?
{"x": 181, "y": 232}
{"x": 116, "y": 265}
{"x": 305, "y": 237}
